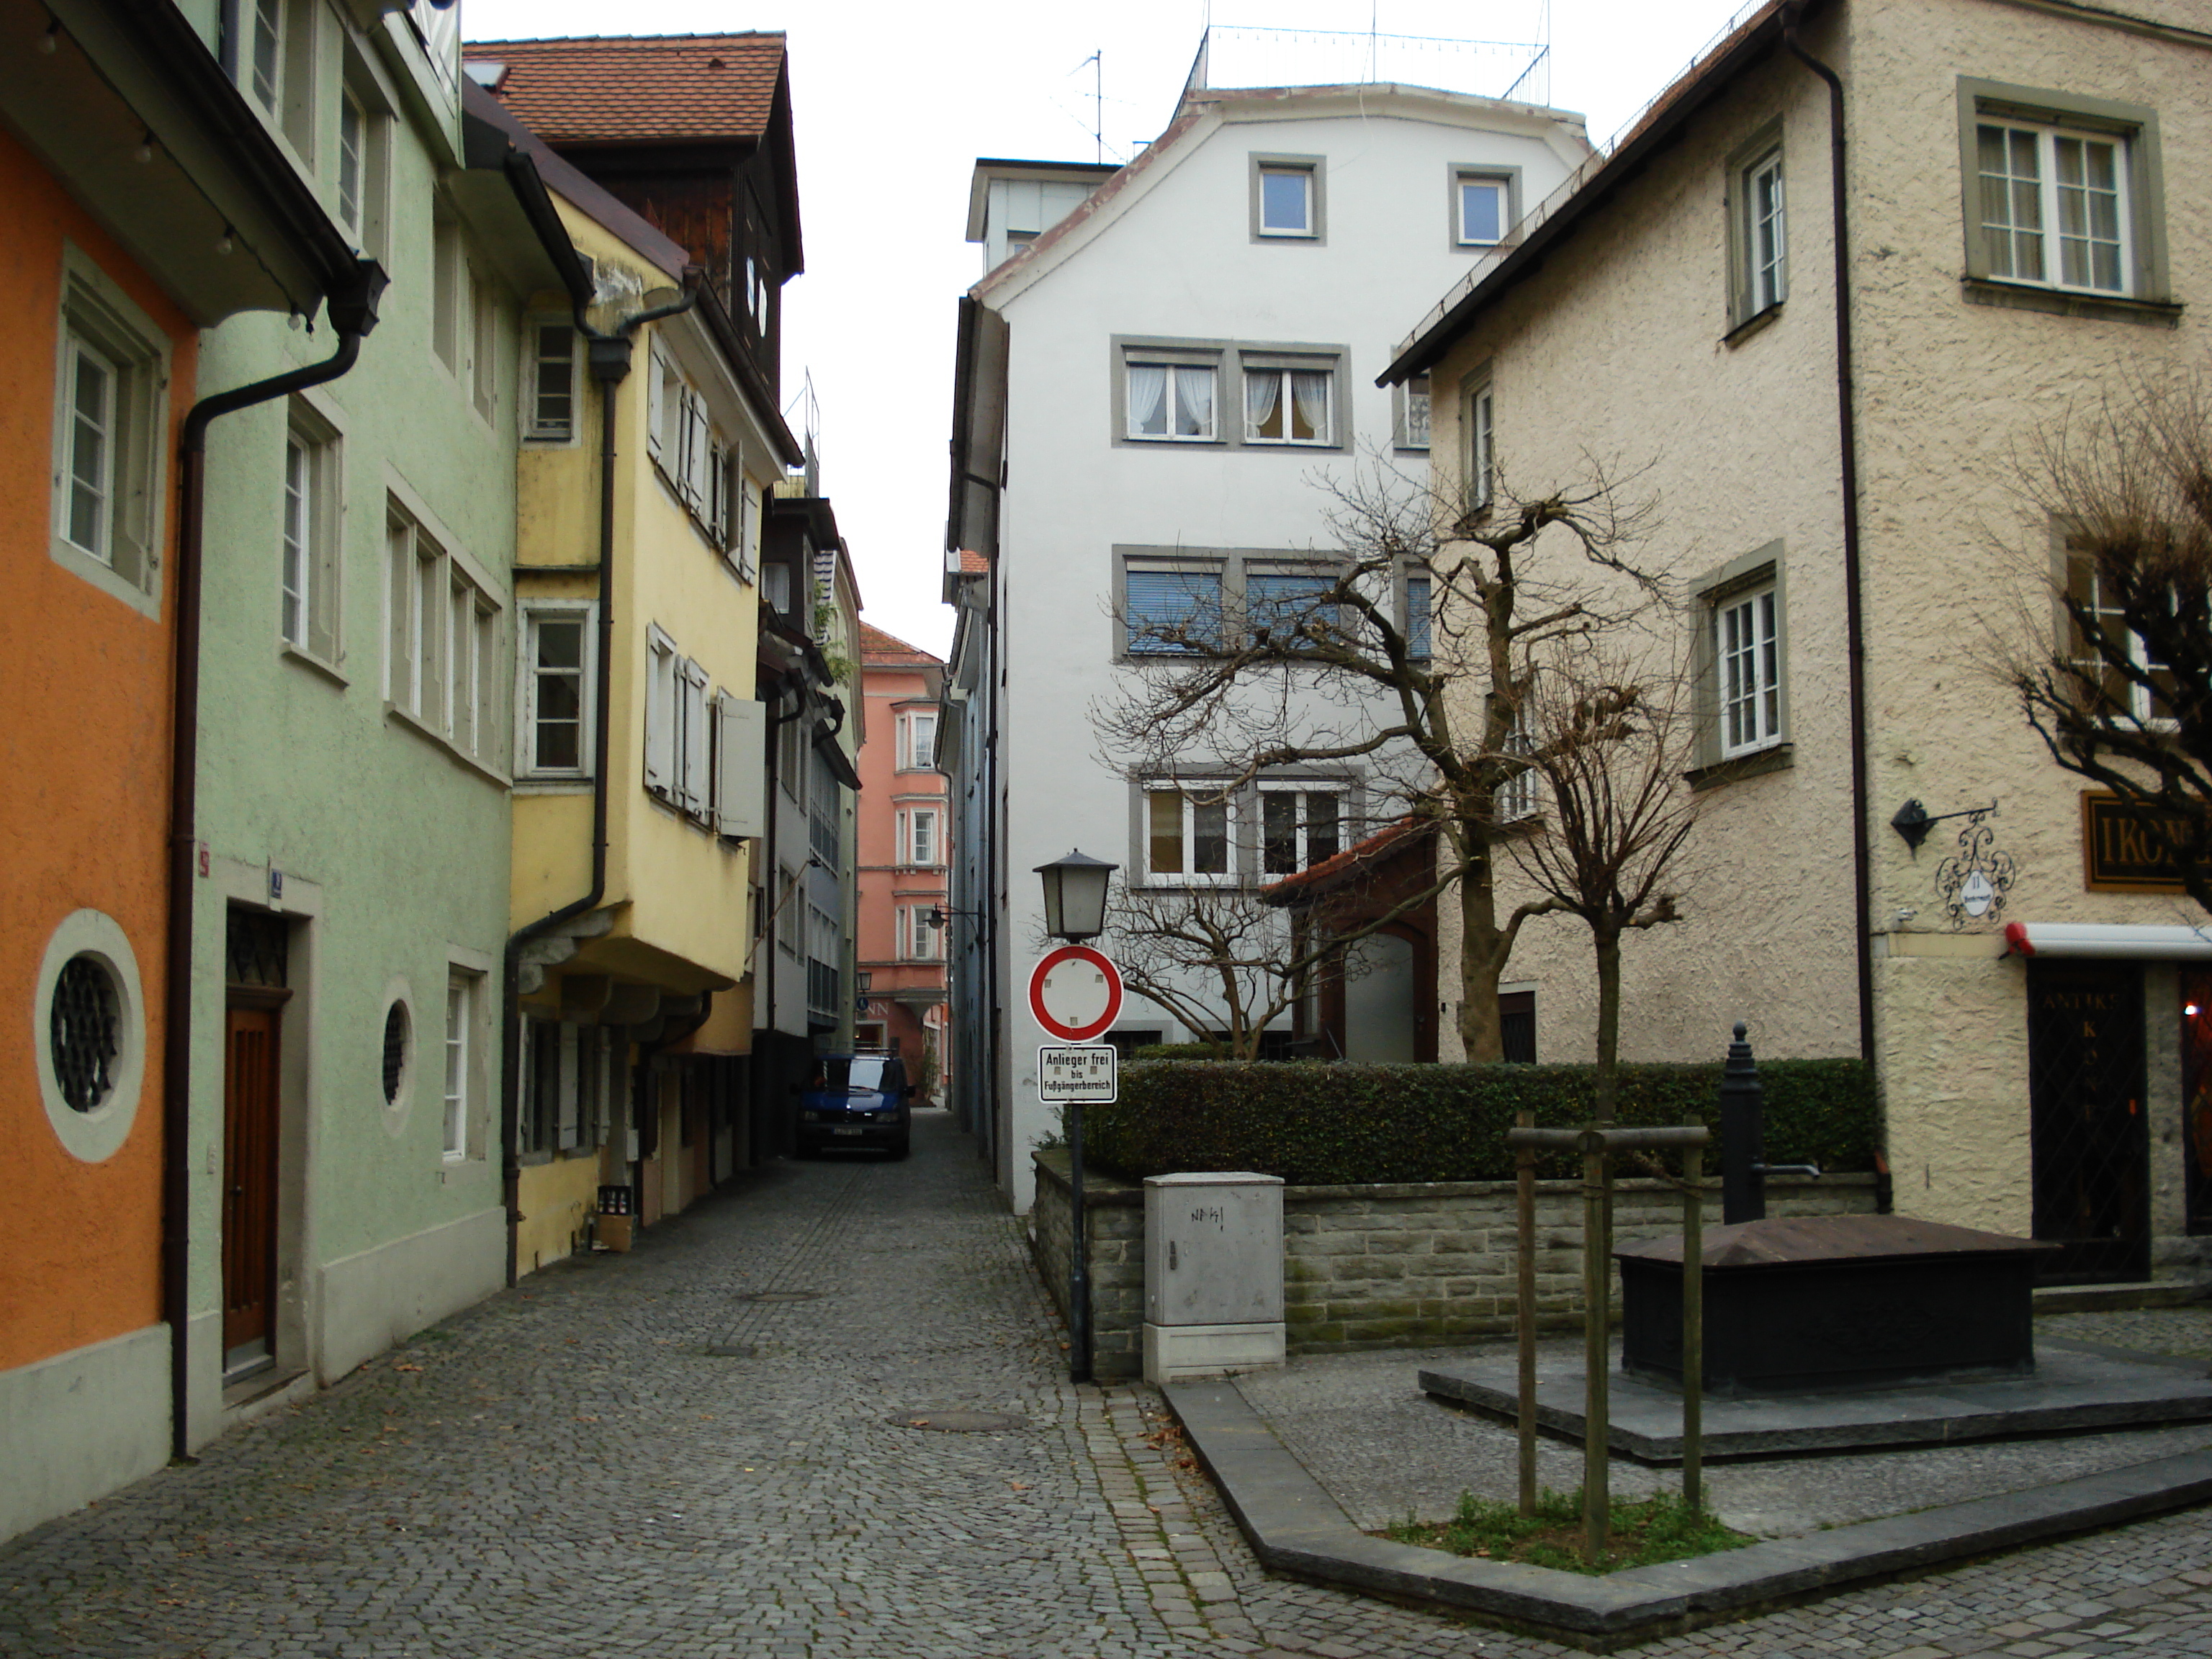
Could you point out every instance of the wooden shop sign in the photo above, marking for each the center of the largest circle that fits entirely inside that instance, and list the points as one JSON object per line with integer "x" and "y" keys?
{"x": 2120, "y": 852}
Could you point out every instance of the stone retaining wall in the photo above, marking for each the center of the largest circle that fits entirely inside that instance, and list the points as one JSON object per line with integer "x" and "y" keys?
{"x": 1387, "y": 1265}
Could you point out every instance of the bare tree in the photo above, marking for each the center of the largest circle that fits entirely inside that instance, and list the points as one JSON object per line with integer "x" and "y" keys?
{"x": 2123, "y": 697}
{"x": 1426, "y": 701}
{"x": 1610, "y": 746}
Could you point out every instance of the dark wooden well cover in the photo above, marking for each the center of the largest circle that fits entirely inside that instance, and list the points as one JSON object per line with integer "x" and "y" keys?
{"x": 1802, "y": 1241}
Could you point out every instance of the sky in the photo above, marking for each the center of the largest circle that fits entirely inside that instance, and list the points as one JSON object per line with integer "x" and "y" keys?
{"x": 893, "y": 103}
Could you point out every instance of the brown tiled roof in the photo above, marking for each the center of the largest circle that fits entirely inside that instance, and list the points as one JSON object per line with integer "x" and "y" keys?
{"x": 627, "y": 89}
{"x": 974, "y": 564}
{"x": 875, "y": 645}
{"x": 1355, "y": 859}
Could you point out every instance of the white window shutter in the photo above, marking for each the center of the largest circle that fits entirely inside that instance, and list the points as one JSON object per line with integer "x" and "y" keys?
{"x": 659, "y": 717}
{"x": 692, "y": 764}
{"x": 741, "y": 760}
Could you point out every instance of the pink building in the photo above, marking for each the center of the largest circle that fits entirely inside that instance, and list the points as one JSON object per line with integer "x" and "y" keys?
{"x": 904, "y": 819}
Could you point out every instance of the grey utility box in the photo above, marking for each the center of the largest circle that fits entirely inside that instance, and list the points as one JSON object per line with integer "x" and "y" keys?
{"x": 1213, "y": 1274}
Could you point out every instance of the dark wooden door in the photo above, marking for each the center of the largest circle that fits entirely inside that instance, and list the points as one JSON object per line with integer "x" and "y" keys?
{"x": 249, "y": 1180}
{"x": 2089, "y": 1141}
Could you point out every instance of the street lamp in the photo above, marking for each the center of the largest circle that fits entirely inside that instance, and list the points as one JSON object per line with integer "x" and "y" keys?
{"x": 1075, "y": 909}
{"x": 1075, "y": 896}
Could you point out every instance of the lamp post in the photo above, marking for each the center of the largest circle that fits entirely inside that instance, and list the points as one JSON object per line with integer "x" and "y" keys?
{"x": 1075, "y": 910}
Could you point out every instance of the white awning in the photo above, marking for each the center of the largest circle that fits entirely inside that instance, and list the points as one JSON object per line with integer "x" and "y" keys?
{"x": 2138, "y": 941}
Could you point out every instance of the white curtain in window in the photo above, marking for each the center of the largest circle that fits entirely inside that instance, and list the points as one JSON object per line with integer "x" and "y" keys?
{"x": 1262, "y": 391}
{"x": 1310, "y": 399}
{"x": 1148, "y": 396}
{"x": 1195, "y": 402}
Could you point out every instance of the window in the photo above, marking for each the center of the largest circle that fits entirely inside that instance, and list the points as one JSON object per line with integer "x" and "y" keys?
{"x": 696, "y": 461}
{"x": 353, "y": 163}
{"x": 1299, "y": 828}
{"x": 484, "y": 342}
{"x": 446, "y": 277}
{"x": 1189, "y": 834}
{"x": 399, "y": 1039}
{"x": 1410, "y": 407}
{"x": 307, "y": 578}
{"x": 1482, "y": 208}
{"x": 917, "y": 740}
{"x": 112, "y": 375}
{"x": 1287, "y": 203}
{"x": 676, "y": 742}
{"x": 1170, "y": 400}
{"x": 558, "y": 643}
{"x": 1481, "y": 447}
{"x": 552, "y": 381}
{"x": 1280, "y": 602}
{"x": 1288, "y": 406}
{"x": 1746, "y": 651}
{"x": 1170, "y": 611}
{"x": 2149, "y": 705}
{"x": 918, "y": 837}
{"x": 1515, "y": 799}
{"x": 919, "y": 940}
{"x": 1419, "y": 590}
{"x": 2062, "y": 194}
{"x": 823, "y": 816}
{"x": 461, "y": 998}
{"x": 277, "y": 66}
{"x": 441, "y": 658}
{"x": 1762, "y": 237}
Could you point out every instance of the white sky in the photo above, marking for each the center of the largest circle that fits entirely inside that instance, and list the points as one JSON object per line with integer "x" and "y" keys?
{"x": 895, "y": 101}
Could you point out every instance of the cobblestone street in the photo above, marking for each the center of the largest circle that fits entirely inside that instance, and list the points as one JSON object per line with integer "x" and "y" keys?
{"x": 730, "y": 1441}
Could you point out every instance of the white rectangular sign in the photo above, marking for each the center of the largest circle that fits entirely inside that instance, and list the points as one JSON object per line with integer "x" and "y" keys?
{"x": 1078, "y": 1072}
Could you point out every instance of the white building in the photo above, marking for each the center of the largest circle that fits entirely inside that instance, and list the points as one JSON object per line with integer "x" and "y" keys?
{"x": 1154, "y": 379}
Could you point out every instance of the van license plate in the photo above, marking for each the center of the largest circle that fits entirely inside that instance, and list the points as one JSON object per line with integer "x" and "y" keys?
{"x": 844, "y": 1132}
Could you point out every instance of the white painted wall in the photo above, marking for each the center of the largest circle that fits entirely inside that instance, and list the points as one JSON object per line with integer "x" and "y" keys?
{"x": 1167, "y": 251}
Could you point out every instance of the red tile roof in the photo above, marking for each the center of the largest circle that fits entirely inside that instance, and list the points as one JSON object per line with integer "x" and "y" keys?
{"x": 627, "y": 89}
{"x": 1354, "y": 860}
{"x": 877, "y": 646}
{"x": 974, "y": 564}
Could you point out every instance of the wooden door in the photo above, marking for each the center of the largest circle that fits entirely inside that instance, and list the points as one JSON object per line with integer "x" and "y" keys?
{"x": 249, "y": 1182}
{"x": 2089, "y": 1129}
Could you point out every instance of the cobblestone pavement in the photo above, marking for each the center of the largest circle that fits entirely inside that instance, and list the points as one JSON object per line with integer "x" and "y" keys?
{"x": 710, "y": 1447}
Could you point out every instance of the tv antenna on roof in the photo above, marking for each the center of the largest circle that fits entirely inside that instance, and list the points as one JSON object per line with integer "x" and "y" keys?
{"x": 1098, "y": 62}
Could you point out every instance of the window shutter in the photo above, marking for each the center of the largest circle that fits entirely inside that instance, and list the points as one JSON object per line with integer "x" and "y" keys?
{"x": 656, "y": 390}
{"x": 740, "y": 767}
{"x": 691, "y": 762}
{"x": 659, "y": 717}
{"x": 568, "y": 1086}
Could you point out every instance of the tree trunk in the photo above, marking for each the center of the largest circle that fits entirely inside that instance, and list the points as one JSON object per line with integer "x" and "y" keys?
{"x": 1608, "y": 1023}
{"x": 1482, "y": 954}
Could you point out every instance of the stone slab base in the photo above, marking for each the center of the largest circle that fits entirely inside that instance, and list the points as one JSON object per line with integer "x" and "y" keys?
{"x": 2075, "y": 1389}
{"x": 1173, "y": 1352}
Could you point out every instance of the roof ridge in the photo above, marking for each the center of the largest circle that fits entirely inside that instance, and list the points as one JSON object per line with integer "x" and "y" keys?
{"x": 468, "y": 46}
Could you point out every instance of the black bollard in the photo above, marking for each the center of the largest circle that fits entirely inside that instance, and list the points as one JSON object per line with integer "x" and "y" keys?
{"x": 1743, "y": 1155}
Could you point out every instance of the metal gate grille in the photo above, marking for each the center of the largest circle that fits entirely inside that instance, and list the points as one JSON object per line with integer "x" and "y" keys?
{"x": 2090, "y": 1145}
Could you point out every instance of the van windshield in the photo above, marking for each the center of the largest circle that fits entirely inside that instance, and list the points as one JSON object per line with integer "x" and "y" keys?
{"x": 862, "y": 1074}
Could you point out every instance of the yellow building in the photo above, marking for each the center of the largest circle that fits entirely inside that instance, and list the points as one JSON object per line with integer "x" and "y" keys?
{"x": 648, "y": 450}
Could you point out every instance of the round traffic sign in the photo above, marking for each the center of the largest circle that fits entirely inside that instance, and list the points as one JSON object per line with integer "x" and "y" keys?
{"x": 1075, "y": 993}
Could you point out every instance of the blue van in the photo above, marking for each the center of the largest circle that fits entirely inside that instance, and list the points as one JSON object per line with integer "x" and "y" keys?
{"x": 855, "y": 1102}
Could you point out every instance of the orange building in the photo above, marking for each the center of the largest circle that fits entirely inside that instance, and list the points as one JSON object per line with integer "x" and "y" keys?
{"x": 904, "y": 820}
{"x": 115, "y": 257}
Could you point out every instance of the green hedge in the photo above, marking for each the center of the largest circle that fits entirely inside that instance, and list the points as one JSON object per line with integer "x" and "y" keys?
{"x": 1347, "y": 1125}
{"x": 1177, "y": 1051}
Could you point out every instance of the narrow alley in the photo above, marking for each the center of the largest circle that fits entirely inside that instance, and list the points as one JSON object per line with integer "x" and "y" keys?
{"x": 757, "y": 1435}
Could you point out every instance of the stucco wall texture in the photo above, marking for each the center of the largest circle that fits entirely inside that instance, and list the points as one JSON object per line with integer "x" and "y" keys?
{"x": 81, "y": 673}
{"x": 1741, "y": 442}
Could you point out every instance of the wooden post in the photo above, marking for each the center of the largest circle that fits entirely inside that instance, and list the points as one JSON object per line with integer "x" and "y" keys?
{"x": 1693, "y": 1327}
{"x": 1524, "y": 1162}
{"x": 1597, "y": 1423}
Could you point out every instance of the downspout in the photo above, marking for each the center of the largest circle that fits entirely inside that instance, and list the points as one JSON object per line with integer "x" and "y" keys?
{"x": 353, "y": 314}
{"x": 1854, "y": 601}
{"x": 608, "y": 355}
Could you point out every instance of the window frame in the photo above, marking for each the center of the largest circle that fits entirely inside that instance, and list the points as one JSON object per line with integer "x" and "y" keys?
{"x": 1763, "y": 570}
{"x": 1315, "y": 170}
{"x": 1479, "y": 438}
{"x": 1172, "y": 562}
{"x": 2146, "y": 294}
{"x": 310, "y": 431}
{"x": 1229, "y": 361}
{"x": 1173, "y": 367}
{"x": 1460, "y": 174}
{"x": 1419, "y": 627}
{"x": 1404, "y": 397}
{"x": 535, "y": 429}
{"x": 94, "y": 312}
{"x": 2070, "y": 566}
{"x": 1255, "y": 365}
{"x": 462, "y": 1045}
{"x": 912, "y": 844}
{"x": 1302, "y": 824}
{"x": 425, "y": 656}
{"x": 911, "y": 721}
{"x": 531, "y": 612}
{"x": 1231, "y": 804}
{"x": 1762, "y": 152}
{"x": 371, "y": 228}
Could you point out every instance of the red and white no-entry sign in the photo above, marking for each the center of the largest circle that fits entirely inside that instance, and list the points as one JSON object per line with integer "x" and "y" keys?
{"x": 1075, "y": 993}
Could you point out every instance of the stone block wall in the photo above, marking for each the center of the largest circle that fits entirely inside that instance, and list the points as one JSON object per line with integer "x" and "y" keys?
{"x": 1389, "y": 1265}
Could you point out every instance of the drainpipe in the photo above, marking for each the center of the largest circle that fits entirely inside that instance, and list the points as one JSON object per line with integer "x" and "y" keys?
{"x": 609, "y": 356}
{"x": 1793, "y": 16}
{"x": 353, "y": 314}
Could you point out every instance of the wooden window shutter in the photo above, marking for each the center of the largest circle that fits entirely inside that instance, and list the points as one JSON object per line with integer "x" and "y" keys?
{"x": 740, "y": 767}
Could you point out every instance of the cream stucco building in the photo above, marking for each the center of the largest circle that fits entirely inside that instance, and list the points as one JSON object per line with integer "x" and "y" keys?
{"x": 2024, "y": 227}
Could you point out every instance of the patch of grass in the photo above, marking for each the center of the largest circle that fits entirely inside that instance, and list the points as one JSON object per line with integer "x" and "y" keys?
{"x": 1644, "y": 1532}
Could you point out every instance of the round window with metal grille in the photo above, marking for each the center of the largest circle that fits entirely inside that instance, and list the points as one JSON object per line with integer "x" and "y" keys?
{"x": 86, "y": 1031}
{"x": 395, "y": 1051}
